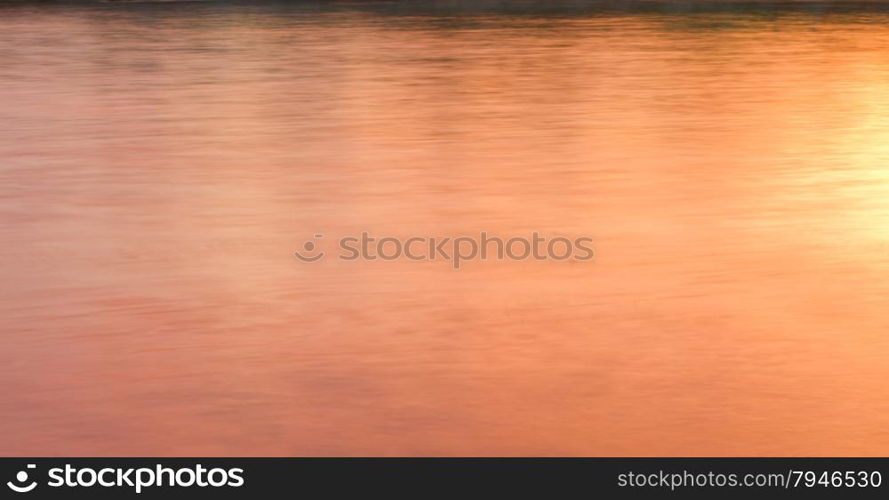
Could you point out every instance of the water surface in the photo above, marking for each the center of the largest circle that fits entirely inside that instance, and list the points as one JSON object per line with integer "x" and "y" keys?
{"x": 160, "y": 162}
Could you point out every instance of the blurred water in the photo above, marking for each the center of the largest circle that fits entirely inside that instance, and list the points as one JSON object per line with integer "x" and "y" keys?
{"x": 160, "y": 162}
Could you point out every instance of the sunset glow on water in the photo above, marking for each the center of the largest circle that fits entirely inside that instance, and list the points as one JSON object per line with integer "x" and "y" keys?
{"x": 160, "y": 164}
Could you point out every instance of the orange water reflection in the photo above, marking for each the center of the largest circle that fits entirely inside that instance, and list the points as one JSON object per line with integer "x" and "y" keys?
{"x": 159, "y": 164}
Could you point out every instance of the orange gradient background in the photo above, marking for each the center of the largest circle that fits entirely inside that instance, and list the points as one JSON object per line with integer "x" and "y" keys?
{"x": 160, "y": 163}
